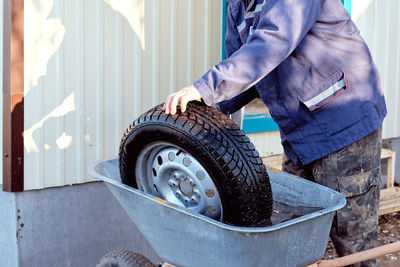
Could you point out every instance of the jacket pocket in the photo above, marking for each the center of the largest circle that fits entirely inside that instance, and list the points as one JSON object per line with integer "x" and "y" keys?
{"x": 361, "y": 211}
{"x": 333, "y": 104}
{"x": 324, "y": 92}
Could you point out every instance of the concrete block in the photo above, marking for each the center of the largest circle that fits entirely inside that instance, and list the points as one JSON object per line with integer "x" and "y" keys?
{"x": 8, "y": 229}
{"x": 66, "y": 226}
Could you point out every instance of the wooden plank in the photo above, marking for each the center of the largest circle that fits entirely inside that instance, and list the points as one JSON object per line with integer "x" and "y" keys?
{"x": 389, "y": 200}
{"x": 389, "y": 206}
{"x": 391, "y": 170}
{"x": 274, "y": 161}
{"x": 386, "y": 153}
{"x": 13, "y": 96}
{"x": 390, "y": 193}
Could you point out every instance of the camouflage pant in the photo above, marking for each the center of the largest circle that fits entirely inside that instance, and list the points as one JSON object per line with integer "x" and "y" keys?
{"x": 355, "y": 172}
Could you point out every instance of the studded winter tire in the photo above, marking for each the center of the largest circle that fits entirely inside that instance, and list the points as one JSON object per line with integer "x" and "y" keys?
{"x": 199, "y": 160}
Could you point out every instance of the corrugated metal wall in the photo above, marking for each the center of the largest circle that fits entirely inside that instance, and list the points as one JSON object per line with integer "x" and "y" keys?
{"x": 379, "y": 24}
{"x": 93, "y": 66}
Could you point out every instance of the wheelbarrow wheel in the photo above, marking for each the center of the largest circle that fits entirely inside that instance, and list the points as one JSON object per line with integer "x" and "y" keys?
{"x": 124, "y": 258}
{"x": 199, "y": 160}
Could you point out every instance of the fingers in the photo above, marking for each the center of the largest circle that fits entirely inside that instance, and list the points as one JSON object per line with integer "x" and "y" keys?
{"x": 171, "y": 103}
{"x": 184, "y": 101}
{"x": 174, "y": 102}
{"x": 168, "y": 103}
{"x": 182, "y": 97}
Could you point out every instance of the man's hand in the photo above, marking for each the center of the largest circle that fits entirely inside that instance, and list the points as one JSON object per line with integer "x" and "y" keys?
{"x": 166, "y": 264}
{"x": 182, "y": 97}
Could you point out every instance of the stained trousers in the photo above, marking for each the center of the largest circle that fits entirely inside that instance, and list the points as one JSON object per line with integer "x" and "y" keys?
{"x": 353, "y": 171}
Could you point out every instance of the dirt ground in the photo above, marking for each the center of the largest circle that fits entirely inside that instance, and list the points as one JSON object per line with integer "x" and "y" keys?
{"x": 389, "y": 232}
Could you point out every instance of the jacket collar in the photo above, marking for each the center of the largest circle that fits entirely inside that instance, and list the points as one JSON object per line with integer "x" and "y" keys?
{"x": 250, "y": 2}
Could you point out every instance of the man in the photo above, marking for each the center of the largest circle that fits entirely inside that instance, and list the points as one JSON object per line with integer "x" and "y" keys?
{"x": 309, "y": 64}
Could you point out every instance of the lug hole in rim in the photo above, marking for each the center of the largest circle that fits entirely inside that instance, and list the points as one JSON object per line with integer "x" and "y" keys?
{"x": 171, "y": 156}
{"x": 187, "y": 161}
{"x": 155, "y": 188}
{"x": 210, "y": 193}
{"x": 160, "y": 161}
{"x": 211, "y": 210}
{"x": 154, "y": 172}
{"x": 200, "y": 175}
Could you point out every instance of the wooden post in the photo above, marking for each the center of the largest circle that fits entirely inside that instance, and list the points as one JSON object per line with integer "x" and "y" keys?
{"x": 360, "y": 256}
{"x": 13, "y": 96}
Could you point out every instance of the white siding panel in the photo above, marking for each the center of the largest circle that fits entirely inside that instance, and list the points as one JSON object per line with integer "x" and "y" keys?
{"x": 379, "y": 24}
{"x": 93, "y": 66}
{"x": 267, "y": 143}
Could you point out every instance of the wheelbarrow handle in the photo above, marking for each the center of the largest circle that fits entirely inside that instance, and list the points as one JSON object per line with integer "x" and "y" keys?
{"x": 360, "y": 256}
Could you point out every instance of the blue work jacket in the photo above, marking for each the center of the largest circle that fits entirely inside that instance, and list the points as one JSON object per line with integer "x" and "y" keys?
{"x": 310, "y": 66}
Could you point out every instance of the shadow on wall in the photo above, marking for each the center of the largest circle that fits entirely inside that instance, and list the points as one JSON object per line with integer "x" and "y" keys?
{"x": 48, "y": 31}
{"x": 43, "y": 37}
{"x": 133, "y": 11}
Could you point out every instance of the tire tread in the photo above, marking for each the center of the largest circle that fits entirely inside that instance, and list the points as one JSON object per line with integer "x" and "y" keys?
{"x": 229, "y": 147}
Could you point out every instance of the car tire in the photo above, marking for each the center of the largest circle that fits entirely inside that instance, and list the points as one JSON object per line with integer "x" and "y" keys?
{"x": 124, "y": 258}
{"x": 200, "y": 160}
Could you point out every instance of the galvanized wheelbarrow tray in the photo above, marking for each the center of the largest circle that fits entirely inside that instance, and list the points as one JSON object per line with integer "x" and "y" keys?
{"x": 187, "y": 239}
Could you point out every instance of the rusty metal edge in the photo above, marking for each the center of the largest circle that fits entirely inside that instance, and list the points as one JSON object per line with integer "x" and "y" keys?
{"x": 13, "y": 96}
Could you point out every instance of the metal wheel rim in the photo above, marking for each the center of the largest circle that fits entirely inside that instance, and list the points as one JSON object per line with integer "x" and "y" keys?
{"x": 167, "y": 171}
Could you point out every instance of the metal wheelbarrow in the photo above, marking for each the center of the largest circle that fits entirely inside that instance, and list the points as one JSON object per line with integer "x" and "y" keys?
{"x": 184, "y": 238}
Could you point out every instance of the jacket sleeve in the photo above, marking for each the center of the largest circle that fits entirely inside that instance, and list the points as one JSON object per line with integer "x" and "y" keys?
{"x": 283, "y": 24}
{"x": 232, "y": 44}
{"x": 232, "y": 105}
{"x": 232, "y": 37}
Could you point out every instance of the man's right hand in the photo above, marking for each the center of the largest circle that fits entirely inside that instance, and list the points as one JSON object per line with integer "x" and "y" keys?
{"x": 182, "y": 97}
